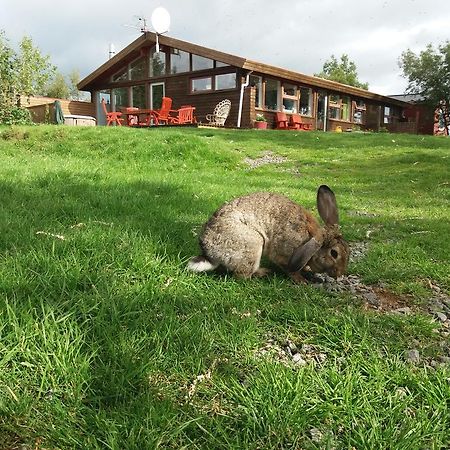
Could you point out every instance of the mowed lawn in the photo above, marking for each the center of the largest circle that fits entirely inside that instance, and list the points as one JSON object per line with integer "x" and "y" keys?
{"x": 106, "y": 341}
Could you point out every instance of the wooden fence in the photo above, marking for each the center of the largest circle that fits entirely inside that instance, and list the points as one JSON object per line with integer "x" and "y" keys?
{"x": 42, "y": 108}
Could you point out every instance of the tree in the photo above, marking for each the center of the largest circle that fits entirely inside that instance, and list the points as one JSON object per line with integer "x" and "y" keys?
{"x": 428, "y": 73}
{"x": 57, "y": 88}
{"x": 33, "y": 69}
{"x": 343, "y": 71}
{"x": 74, "y": 79}
{"x": 10, "y": 112}
{"x": 23, "y": 73}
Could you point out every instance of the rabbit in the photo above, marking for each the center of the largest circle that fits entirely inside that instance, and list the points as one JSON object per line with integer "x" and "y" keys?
{"x": 266, "y": 224}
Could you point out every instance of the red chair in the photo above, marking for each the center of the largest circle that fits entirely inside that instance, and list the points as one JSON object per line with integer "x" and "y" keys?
{"x": 296, "y": 123}
{"x": 113, "y": 116}
{"x": 184, "y": 115}
{"x": 162, "y": 114}
{"x": 281, "y": 121}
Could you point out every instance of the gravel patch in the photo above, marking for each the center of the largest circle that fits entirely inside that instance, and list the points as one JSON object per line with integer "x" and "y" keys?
{"x": 290, "y": 354}
{"x": 268, "y": 157}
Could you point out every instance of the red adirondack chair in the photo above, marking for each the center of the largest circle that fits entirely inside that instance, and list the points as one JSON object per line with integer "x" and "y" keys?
{"x": 296, "y": 123}
{"x": 162, "y": 115}
{"x": 184, "y": 115}
{"x": 281, "y": 121}
{"x": 113, "y": 116}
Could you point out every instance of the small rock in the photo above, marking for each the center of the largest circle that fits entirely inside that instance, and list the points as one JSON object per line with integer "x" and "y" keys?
{"x": 307, "y": 348}
{"x": 440, "y": 316}
{"x": 405, "y": 310}
{"x": 412, "y": 356}
{"x": 444, "y": 359}
{"x": 437, "y": 306}
{"x": 292, "y": 347}
{"x": 316, "y": 435}
{"x": 372, "y": 298}
{"x": 401, "y": 392}
{"x": 297, "y": 358}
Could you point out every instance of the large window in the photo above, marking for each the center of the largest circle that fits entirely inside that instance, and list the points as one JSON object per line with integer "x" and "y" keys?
{"x": 256, "y": 82}
{"x": 225, "y": 81}
{"x": 201, "y": 63}
{"x": 121, "y": 75}
{"x": 157, "y": 64}
{"x": 221, "y": 64}
{"x": 306, "y": 101}
{"x": 290, "y": 98}
{"x": 387, "y": 115}
{"x": 346, "y": 108}
{"x": 120, "y": 98}
{"x": 201, "y": 84}
{"x": 271, "y": 97}
{"x": 138, "y": 96}
{"x": 179, "y": 61}
{"x": 340, "y": 108}
{"x": 137, "y": 69}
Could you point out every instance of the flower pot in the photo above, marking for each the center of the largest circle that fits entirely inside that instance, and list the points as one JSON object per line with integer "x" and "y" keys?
{"x": 260, "y": 125}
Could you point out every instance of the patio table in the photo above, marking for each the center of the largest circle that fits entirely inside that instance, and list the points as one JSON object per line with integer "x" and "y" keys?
{"x": 141, "y": 117}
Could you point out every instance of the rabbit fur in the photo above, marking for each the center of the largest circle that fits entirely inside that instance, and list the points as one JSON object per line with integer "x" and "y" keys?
{"x": 266, "y": 224}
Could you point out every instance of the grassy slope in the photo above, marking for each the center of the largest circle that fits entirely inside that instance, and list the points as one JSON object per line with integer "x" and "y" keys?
{"x": 103, "y": 334}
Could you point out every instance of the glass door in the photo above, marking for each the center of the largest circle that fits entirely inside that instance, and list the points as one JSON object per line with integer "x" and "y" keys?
{"x": 322, "y": 107}
{"x": 157, "y": 91}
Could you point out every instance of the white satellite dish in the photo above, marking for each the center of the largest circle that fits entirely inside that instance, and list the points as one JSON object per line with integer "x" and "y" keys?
{"x": 160, "y": 22}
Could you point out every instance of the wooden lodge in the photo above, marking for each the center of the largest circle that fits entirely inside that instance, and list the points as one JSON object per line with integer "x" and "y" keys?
{"x": 190, "y": 74}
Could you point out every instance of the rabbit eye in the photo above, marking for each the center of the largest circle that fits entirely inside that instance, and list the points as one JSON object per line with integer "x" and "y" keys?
{"x": 334, "y": 253}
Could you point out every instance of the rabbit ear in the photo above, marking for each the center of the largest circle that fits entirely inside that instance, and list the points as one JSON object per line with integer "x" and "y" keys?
{"x": 303, "y": 254}
{"x": 327, "y": 206}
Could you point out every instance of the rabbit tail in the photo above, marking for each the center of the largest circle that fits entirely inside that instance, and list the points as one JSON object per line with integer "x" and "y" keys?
{"x": 201, "y": 264}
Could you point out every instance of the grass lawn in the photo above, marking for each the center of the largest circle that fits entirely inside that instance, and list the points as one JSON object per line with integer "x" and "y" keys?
{"x": 107, "y": 342}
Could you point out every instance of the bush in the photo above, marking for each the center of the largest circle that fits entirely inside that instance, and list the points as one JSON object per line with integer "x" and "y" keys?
{"x": 15, "y": 116}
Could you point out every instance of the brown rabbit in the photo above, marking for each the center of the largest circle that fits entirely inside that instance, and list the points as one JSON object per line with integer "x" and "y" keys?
{"x": 272, "y": 225}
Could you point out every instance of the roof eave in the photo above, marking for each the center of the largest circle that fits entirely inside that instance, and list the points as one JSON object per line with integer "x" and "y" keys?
{"x": 149, "y": 38}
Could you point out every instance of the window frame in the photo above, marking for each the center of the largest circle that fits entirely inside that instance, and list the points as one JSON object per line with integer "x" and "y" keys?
{"x": 310, "y": 101}
{"x": 215, "y": 88}
{"x": 205, "y": 77}
{"x": 278, "y": 82}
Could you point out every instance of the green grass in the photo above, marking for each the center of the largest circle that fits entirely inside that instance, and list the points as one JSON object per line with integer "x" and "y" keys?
{"x": 107, "y": 342}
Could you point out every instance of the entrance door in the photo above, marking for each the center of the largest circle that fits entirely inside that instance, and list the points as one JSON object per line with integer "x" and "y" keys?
{"x": 322, "y": 106}
{"x": 157, "y": 91}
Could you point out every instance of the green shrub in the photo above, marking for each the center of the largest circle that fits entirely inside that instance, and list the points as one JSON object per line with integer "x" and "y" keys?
{"x": 15, "y": 116}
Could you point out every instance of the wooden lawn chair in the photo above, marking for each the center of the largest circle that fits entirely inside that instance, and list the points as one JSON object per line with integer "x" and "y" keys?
{"x": 113, "y": 116}
{"x": 220, "y": 113}
{"x": 281, "y": 121}
{"x": 184, "y": 115}
{"x": 296, "y": 123}
{"x": 162, "y": 115}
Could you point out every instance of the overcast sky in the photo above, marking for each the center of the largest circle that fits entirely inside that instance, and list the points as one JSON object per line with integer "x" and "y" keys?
{"x": 297, "y": 34}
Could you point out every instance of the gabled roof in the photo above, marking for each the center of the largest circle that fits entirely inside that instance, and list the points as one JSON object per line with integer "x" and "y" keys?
{"x": 148, "y": 39}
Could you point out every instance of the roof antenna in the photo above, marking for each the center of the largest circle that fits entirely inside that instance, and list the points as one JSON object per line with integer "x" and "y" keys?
{"x": 160, "y": 23}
